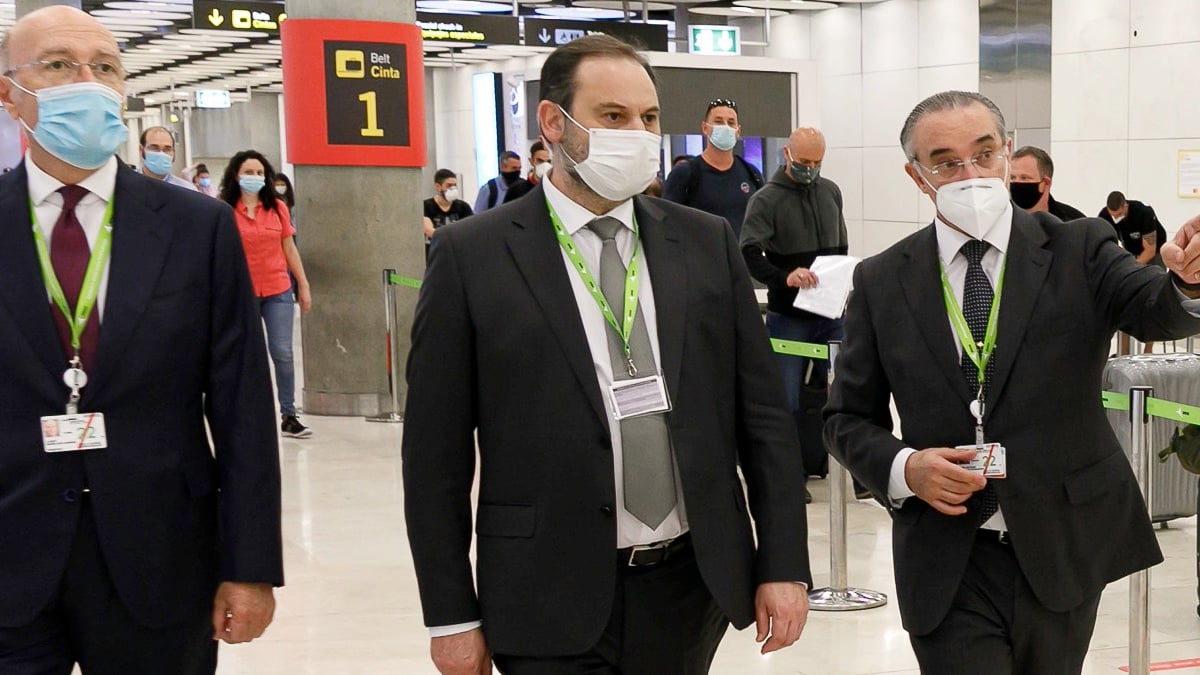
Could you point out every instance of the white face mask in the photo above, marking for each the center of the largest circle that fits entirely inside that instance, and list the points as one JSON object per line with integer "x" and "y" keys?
{"x": 620, "y": 163}
{"x": 450, "y": 194}
{"x": 542, "y": 169}
{"x": 973, "y": 205}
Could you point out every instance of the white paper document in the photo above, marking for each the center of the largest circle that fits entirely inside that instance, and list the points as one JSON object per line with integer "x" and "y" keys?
{"x": 835, "y": 276}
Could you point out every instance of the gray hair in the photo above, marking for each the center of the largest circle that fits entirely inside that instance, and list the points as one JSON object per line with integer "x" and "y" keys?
{"x": 946, "y": 100}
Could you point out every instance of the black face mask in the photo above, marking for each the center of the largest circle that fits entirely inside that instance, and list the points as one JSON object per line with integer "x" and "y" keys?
{"x": 510, "y": 177}
{"x": 1025, "y": 195}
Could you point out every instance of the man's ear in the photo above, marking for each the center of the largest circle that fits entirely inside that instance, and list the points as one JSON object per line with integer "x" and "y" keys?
{"x": 552, "y": 121}
{"x": 6, "y": 93}
{"x": 915, "y": 174}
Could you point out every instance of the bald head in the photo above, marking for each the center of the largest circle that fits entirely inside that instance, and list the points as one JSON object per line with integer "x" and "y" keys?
{"x": 807, "y": 143}
{"x": 20, "y": 43}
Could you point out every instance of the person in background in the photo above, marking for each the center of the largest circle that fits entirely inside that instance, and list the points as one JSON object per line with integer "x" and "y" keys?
{"x": 283, "y": 190}
{"x": 654, "y": 189}
{"x": 1031, "y": 173}
{"x": 202, "y": 181}
{"x": 444, "y": 207}
{"x": 157, "y": 148}
{"x": 1141, "y": 234}
{"x": 136, "y": 550}
{"x": 718, "y": 181}
{"x": 493, "y": 192}
{"x": 794, "y": 219}
{"x": 266, "y": 228}
{"x": 539, "y": 161}
{"x": 680, "y": 159}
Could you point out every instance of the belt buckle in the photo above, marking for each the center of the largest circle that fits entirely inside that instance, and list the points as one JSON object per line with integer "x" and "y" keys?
{"x": 662, "y": 546}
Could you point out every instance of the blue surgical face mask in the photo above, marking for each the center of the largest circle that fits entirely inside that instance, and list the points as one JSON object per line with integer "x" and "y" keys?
{"x": 252, "y": 184}
{"x": 79, "y": 123}
{"x": 158, "y": 163}
{"x": 723, "y": 137}
{"x": 205, "y": 182}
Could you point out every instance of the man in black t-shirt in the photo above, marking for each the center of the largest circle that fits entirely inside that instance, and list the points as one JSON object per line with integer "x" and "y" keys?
{"x": 718, "y": 181}
{"x": 1137, "y": 227}
{"x": 444, "y": 206}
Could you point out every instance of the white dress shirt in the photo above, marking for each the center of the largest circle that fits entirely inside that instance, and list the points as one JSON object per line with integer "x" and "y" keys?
{"x": 630, "y": 530}
{"x": 48, "y": 203}
{"x": 950, "y": 242}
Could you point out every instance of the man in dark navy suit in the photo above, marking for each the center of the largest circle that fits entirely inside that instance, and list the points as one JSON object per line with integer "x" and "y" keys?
{"x": 127, "y": 323}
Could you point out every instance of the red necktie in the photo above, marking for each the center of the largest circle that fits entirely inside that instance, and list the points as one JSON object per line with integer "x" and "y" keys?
{"x": 70, "y": 253}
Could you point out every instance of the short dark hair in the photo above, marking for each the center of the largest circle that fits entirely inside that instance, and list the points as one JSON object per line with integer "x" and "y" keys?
{"x": 443, "y": 174}
{"x": 558, "y": 72}
{"x": 1044, "y": 163}
{"x": 231, "y": 193}
{"x": 537, "y": 147}
{"x": 1115, "y": 200}
{"x": 946, "y": 100}
{"x": 680, "y": 158}
{"x": 720, "y": 103}
{"x": 508, "y": 154}
{"x": 146, "y": 132}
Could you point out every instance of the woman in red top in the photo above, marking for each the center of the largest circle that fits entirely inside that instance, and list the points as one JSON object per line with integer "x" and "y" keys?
{"x": 266, "y": 228}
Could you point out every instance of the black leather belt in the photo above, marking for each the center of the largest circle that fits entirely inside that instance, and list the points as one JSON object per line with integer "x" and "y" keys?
{"x": 649, "y": 555}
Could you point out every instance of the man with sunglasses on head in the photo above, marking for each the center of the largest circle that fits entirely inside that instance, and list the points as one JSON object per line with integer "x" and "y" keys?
{"x": 717, "y": 181}
{"x": 1012, "y": 501}
{"x": 132, "y": 543}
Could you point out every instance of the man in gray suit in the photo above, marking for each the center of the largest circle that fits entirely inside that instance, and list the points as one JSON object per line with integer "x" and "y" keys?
{"x": 990, "y": 329}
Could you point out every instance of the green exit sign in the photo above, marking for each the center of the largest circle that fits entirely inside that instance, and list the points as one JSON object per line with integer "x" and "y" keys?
{"x": 722, "y": 40}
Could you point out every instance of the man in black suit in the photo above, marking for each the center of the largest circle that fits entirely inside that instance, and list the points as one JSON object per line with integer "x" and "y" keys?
{"x": 128, "y": 547}
{"x": 604, "y": 545}
{"x": 999, "y": 574}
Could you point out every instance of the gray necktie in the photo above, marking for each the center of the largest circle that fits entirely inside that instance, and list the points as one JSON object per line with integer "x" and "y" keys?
{"x": 646, "y": 440}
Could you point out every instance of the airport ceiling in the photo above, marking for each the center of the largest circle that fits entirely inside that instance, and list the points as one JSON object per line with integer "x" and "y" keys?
{"x": 169, "y": 55}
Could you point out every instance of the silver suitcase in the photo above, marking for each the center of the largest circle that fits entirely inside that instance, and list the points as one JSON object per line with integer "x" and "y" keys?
{"x": 1175, "y": 377}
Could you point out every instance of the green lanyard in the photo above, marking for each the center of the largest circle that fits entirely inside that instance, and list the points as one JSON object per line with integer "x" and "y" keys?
{"x": 632, "y": 282}
{"x": 91, "y": 279}
{"x": 979, "y": 352}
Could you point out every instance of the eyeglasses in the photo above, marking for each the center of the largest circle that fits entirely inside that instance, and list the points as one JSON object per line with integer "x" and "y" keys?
{"x": 64, "y": 71}
{"x": 721, "y": 103}
{"x": 988, "y": 160}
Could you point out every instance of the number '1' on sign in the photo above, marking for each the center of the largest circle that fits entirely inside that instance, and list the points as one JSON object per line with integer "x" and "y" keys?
{"x": 372, "y": 129}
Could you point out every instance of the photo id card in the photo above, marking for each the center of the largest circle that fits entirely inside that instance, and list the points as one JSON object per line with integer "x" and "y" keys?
{"x": 641, "y": 396}
{"x": 989, "y": 461}
{"x": 73, "y": 433}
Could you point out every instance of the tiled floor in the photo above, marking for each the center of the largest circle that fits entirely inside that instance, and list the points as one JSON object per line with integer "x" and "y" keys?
{"x": 351, "y": 605}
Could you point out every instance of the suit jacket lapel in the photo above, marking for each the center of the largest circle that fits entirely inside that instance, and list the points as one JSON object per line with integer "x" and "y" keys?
{"x": 922, "y": 286}
{"x": 1026, "y": 266}
{"x": 140, "y": 245}
{"x": 23, "y": 293}
{"x": 668, "y": 273}
{"x": 538, "y": 257}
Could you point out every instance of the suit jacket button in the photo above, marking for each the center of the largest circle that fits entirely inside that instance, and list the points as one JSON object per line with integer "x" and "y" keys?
{"x": 70, "y": 496}
{"x": 607, "y": 509}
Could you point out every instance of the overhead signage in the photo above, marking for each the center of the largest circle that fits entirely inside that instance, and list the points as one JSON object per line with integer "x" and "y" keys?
{"x": 212, "y": 98}
{"x": 715, "y": 40}
{"x": 355, "y": 93}
{"x": 259, "y": 17}
{"x": 467, "y": 28}
{"x": 555, "y": 33}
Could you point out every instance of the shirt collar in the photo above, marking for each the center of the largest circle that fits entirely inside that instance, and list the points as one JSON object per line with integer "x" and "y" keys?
{"x": 102, "y": 182}
{"x": 950, "y": 240}
{"x": 574, "y": 217}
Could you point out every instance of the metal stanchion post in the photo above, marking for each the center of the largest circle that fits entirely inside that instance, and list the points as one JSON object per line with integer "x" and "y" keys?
{"x": 1139, "y": 582}
{"x": 393, "y": 365}
{"x": 838, "y": 596}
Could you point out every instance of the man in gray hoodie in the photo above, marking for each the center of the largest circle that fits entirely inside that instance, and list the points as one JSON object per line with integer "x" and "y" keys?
{"x": 796, "y": 217}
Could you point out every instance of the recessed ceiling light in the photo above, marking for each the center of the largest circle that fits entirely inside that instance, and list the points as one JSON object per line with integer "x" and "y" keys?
{"x": 142, "y": 14}
{"x": 241, "y": 35}
{"x": 634, "y": 5}
{"x": 737, "y": 12}
{"x": 786, "y": 5}
{"x": 585, "y": 13}
{"x": 463, "y": 6}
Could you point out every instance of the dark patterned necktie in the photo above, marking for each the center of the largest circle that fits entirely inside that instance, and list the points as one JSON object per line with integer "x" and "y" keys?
{"x": 648, "y": 474}
{"x": 70, "y": 254}
{"x": 977, "y": 305}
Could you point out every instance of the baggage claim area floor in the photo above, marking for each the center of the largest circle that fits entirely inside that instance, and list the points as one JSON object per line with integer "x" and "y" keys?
{"x": 351, "y": 607}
